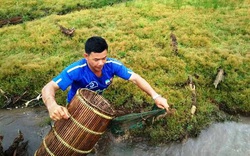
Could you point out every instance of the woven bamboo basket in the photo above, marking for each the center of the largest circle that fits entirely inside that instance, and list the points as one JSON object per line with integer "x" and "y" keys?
{"x": 90, "y": 116}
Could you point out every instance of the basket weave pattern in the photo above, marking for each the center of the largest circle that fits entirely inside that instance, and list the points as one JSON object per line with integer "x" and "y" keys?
{"x": 90, "y": 116}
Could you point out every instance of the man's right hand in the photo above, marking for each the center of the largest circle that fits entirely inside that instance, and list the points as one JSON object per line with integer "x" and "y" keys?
{"x": 57, "y": 112}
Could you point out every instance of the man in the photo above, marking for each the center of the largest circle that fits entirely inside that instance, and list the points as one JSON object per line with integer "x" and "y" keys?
{"x": 94, "y": 72}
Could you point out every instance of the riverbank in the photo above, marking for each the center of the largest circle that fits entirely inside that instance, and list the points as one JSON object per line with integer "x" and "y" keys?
{"x": 227, "y": 138}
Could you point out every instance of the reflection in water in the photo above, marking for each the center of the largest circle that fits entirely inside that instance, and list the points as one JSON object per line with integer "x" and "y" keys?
{"x": 221, "y": 139}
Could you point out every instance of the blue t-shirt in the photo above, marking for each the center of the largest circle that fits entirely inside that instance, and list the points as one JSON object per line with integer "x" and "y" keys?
{"x": 78, "y": 75}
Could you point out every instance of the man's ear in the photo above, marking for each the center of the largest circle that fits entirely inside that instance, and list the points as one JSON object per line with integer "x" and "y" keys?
{"x": 85, "y": 55}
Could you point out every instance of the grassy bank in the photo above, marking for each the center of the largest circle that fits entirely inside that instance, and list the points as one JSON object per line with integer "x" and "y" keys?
{"x": 34, "y": 9}
{"x": 209, "y": 35}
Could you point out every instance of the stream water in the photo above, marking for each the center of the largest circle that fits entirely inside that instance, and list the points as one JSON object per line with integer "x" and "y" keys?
{"x": 220, "y": 139}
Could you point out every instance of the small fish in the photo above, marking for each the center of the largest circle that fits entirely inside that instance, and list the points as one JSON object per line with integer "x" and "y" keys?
{"x": 219, "y": 77}
{"x": 1, "y": 91}
{"x": 174, "y": 43}
{"x": 193, "y": 110}
{"x": 67, "y": 31}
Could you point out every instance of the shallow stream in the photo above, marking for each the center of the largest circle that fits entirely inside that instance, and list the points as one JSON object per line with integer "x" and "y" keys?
{"x": 220, "y": 139}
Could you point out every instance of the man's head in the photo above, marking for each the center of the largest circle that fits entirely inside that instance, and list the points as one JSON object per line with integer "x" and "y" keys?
{"x": 95, "y": 44}
{"x": 96, "y": 49}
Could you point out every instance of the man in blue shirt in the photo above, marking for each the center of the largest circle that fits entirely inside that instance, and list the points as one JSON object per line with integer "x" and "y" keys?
{"x": 95, "y": 72}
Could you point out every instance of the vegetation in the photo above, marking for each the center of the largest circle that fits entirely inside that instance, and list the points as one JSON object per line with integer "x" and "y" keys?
{"x": 210, "y": 34}
{"x": 33, "y": 9}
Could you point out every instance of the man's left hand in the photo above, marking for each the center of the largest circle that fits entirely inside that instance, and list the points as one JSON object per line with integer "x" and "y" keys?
{"x": 162, "y": 103}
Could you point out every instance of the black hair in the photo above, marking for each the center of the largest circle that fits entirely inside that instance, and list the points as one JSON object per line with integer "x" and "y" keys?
{"x": 95, "y": 44}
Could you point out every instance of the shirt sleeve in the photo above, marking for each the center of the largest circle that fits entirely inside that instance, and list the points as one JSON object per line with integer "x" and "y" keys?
{"x": 121, "y": 70}
{"x": 63, "y": 80}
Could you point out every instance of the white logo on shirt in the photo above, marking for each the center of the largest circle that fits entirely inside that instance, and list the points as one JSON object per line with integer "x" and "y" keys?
{"x": 92, "y": 85}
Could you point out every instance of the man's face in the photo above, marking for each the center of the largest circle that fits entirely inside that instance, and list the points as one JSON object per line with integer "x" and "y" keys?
{"x": 96, "y": 61}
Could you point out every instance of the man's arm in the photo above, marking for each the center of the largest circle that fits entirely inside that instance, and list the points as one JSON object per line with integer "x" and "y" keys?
{"x": 145, "y": 86}
{"x": 56, "y": 111}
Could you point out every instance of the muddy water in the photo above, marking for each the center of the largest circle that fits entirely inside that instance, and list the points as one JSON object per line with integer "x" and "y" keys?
{"x": 30, "y": 121}
{"x": 220, "y": 139}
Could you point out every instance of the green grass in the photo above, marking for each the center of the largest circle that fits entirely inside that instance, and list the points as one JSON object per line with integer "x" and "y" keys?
{"x": 33, "y": 9}
{"x": 210, "y": 34}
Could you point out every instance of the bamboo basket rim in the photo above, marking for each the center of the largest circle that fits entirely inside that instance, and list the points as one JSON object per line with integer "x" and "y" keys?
{"x": 111, "y": 112}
